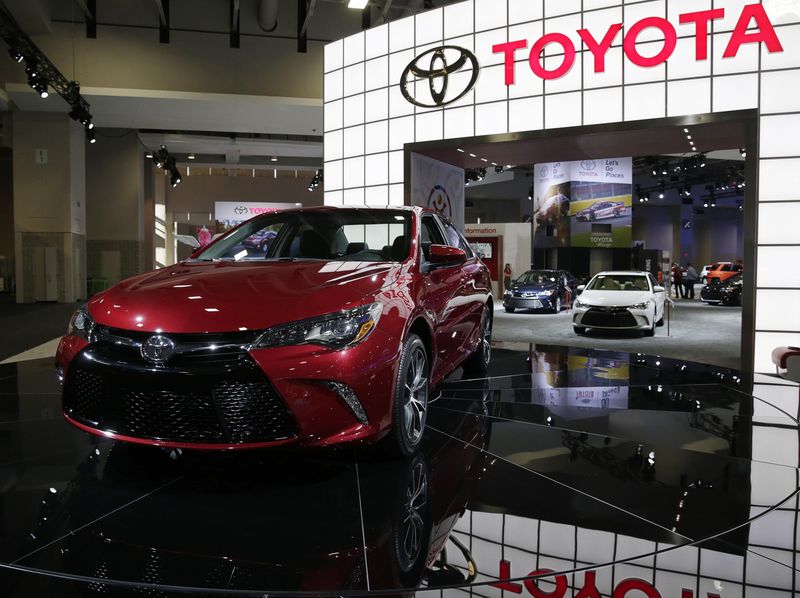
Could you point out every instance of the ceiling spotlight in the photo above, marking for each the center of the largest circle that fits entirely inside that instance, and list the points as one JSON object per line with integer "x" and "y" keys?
{"x": 274, "y": 159}
{"x": 175, "y": 178}
{"x": 90, "y": 136}
{"x": 191, "y": 156}
{"x": 686, "y": 130}
{"x": 90, "y": 125}
{"x": 15, "y": 54}
{"x": 743, "y": 151}
{"x": 498, "y": 169}
{"x": 358, "y": 4}
{"x": 149, "y": 155}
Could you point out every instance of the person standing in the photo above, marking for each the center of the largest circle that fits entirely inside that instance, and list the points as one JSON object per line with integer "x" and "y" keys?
{"x": 677, "y": 280}
{"x": 689, "y": 281}
{"x": 507, "y": 277}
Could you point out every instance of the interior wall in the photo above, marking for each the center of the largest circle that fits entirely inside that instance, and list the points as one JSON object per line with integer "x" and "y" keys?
{"x": 6, "y": 219}
{"x": 114, "y": 206}
{"x": 198, "y": 193}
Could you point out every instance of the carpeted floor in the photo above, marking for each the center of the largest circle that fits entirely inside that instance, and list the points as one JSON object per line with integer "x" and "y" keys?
{"x": 697, "y": 332}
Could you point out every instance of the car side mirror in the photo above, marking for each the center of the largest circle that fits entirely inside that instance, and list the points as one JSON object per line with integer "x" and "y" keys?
{"x": 581, "y": 288}
{"x": 444, "y": 255}
{"x": 658, "y": 289}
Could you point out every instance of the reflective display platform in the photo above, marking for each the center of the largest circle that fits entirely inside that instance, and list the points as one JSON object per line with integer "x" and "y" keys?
{"x": 563, "y": 473}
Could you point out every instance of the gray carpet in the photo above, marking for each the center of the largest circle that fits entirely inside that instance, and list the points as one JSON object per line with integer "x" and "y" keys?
{"x": 697, "y": 332}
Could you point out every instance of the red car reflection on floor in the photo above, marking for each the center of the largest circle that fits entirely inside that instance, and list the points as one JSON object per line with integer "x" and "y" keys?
{"x": 337, "y": 335}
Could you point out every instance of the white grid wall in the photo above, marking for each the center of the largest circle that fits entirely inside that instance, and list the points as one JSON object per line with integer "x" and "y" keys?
{"x": 368, "y": 121}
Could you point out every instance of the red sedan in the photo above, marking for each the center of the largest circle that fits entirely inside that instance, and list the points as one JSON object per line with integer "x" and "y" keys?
{"x": 337, "y": 335}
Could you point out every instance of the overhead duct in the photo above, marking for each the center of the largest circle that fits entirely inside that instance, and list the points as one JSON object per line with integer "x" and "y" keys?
{"x": 268, "y": 15}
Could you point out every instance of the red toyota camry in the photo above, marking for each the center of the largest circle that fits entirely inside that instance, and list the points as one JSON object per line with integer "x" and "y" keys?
{"x": 336, "y": 335}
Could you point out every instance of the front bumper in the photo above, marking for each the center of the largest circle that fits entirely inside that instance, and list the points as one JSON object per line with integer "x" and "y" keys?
{"x": 612, "y": 318}
{"x": 543, "y": 302}
{"x": 232, "y": 398}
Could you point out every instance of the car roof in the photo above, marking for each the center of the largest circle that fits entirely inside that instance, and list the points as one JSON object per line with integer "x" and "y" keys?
{"x": 621, "y": 272}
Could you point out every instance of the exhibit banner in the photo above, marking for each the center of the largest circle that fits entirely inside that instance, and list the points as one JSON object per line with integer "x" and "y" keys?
{"x": 551, "y": 191}
{"x": 230, "y": 213}
{"x": 601, "y": 200}
{"x": 439, "y": 186}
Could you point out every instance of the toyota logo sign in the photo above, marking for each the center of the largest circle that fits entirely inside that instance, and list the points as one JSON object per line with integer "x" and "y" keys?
{"x": 588, "y": 164}
{"x": 157, "y": 349}
{"x": 436, "y": 70}
{"x": 241, "y": 210}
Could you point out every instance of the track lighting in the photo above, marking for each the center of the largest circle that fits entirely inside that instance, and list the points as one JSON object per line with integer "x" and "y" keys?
{"x": 315, "y": 181}
{"x": 90, "y": 136}
{"x": 16, "y": 54}
{"x": 743, "y": 152}
{"x": 498, "y": 169}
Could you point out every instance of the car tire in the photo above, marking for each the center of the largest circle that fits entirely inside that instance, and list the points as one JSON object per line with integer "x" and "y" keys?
{"x": 510, "y": 310}
{"x": 660, "y": 323}
{"x": 651, "y": 331}
{"x": 580, "y": 330}
{"x": 410, "y": 405}
{"x": 557, "y": 307}
{"x": 478, "y": 362}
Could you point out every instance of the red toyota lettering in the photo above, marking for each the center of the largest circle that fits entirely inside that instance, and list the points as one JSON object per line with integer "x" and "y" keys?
{"x": 505, "y": 575}
{"x": 600, "y": 49}
{"x": 701, "y": 21}
{"x": 589, "y": 589}
{"x": 536, "y": 52}
{"x": 508, "y": 49}
{"x": 533, "y": 589}
{"x": 629, "y": 585}
{"x": 765, "y": 32}
{"x": 670, "y": 41}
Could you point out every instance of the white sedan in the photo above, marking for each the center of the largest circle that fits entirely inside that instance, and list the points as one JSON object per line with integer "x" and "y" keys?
{"x": 620, "y": 301}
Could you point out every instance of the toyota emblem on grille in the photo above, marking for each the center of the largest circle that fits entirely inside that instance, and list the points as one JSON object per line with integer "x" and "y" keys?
{"x": 444, "y": 62}
{"x": 157, "y": 349}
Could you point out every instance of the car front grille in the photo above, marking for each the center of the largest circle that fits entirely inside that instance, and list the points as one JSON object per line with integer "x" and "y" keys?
{"x": 201, "y": 396}
{"x": 612, "y": 317}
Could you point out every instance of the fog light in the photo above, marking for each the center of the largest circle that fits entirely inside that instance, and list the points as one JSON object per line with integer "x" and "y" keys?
{"x": 348, "y": 396}
{"x": 60, "y": 375}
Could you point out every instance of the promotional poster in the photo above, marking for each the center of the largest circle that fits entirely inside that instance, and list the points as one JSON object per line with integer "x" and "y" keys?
{"x": 438, "y": 186}
{"x": 583, "y": 204}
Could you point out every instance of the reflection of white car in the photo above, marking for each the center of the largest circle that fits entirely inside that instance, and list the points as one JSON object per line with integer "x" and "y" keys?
{"x": 620, "y": 300}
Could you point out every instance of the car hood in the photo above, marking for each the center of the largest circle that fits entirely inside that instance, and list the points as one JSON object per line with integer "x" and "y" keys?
{"x": 226, "y": 296}
{"x": 603, "y": 298}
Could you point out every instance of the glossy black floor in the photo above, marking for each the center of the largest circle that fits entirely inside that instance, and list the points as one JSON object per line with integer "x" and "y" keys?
{"x": 596, "y": 473}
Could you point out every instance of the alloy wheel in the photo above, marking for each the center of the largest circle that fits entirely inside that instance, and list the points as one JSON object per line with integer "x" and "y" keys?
{"x": 415, "y": 405}
{"x": 486, "y": 339}
{"x": 412, "y": 527}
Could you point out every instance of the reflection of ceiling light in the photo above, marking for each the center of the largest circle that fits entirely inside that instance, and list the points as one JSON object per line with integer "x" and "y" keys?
{"x": 461, "y": 150}
{"x": 686, "y": 130}
{"x": 358, "y": 4}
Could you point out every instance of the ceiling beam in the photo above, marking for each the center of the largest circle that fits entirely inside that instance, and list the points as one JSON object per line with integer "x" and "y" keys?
{"x": 89, "y": 8}
{"x": 305, "y": 10}
{"x": 384, "y": 12}
{"x": 235, "y": 16}
{"x": 163, "y": 20}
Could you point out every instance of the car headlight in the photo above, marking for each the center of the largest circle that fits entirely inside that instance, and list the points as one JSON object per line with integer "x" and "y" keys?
{"x": 336, "y": 330}
{"x": 644, "y": 305}
{"x": 579, "y": 303}
{"x": 81, "y": 324}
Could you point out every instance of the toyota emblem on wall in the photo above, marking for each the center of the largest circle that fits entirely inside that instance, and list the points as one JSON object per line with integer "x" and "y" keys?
{"x": 157, "y": 349}
{"x": 436, "y": 66}
{"x": 241, "y": 210}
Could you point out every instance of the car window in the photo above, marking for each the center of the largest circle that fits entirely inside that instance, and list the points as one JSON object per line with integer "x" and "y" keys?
{"x": 351, "y": 235}
{"x": 454, "y": 239}
{"x": 618, "y": 282}
{"x": 431, "y": 235}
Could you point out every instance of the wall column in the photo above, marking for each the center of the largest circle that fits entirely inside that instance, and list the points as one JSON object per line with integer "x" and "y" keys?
{"x": 49, "y": 207}
{"x": 114, "y": 207}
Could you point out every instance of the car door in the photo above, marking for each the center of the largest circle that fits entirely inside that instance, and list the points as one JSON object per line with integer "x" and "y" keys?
{"x": 659, "y": 297}
{"x": 472, "y": 294}
{"x": 441, "y": 299}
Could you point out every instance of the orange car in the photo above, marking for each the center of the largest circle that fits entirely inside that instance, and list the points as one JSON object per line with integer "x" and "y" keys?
{"x": 722, "y": 271}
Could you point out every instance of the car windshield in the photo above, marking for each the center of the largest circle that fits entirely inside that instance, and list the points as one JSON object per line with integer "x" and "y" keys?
{"x": 349, "y": 235}
{"x": 537, "y": 277}
{"x": 618, "y": 282}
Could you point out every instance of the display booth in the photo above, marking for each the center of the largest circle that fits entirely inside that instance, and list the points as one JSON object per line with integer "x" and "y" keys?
{"x": 502, "y": 70}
